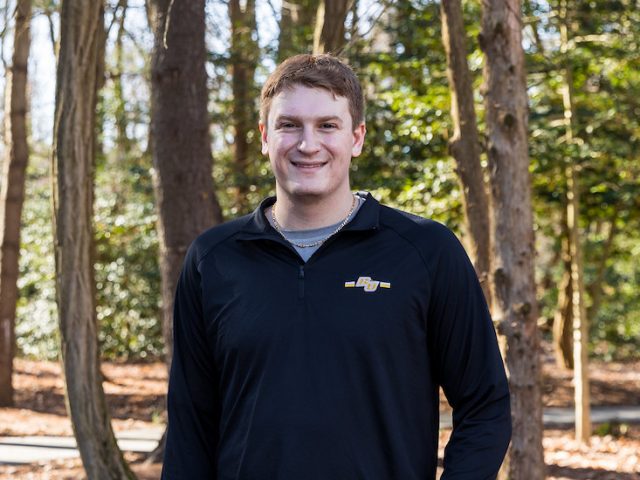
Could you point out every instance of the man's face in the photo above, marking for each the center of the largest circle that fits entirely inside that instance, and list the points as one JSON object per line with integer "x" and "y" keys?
{"x": 310, "y": 141}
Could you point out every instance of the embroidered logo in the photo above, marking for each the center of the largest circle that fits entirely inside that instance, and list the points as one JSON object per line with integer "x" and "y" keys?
{"x": 367, "y": 284}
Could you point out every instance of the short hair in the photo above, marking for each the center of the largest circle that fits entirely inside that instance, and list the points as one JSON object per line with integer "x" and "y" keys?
{"x": 315, "y": 71}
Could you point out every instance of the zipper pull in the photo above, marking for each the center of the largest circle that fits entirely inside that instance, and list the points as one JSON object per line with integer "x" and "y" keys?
{"x": 301, "y": 282}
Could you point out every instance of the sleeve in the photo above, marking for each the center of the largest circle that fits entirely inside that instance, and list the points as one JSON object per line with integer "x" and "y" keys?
{"x": 468, "y": 366}
{"x": 193, "y": 400}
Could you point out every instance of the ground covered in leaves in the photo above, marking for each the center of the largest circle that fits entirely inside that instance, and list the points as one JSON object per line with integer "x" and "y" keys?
{"x": 135, "y": 394}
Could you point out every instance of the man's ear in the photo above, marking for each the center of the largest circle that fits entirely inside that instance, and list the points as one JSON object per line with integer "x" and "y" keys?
{"x": 263, "y": 137}
{"x": 358, "y": 139}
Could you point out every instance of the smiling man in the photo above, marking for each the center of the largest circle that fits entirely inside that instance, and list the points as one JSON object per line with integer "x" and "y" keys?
{"x": 312, "y": 336}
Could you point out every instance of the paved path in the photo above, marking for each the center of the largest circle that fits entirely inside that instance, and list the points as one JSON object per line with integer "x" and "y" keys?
{"x": 16, "y": 450}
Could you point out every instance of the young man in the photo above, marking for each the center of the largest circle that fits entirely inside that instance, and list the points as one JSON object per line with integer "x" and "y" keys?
{"x": 311, "y": 337}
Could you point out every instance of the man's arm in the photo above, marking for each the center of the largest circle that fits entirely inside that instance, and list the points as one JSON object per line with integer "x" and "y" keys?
{"x": 192, "y": 401}
{"x": 468, "y": 365}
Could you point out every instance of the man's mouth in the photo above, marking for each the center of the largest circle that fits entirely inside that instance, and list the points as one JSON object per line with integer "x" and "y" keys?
{"x": 308, "y": 165}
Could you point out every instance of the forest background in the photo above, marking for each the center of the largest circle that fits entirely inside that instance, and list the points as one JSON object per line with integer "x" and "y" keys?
{"x": 583, "y": 84}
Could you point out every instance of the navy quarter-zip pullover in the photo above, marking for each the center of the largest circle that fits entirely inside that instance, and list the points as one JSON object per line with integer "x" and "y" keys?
{"x": 330, "y": 369}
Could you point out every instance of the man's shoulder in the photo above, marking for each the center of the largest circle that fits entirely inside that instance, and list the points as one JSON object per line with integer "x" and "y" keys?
{"x": 216, "y": 235}
{"x": 414, "y": 228}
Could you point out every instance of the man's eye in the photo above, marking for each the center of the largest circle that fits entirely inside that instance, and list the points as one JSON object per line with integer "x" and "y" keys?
{"x": 287, "y": 125}
{"x": 328, "y": 126}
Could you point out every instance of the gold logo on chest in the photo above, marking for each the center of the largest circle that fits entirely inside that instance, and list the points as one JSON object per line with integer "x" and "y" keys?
{"x": 367, "y": 283}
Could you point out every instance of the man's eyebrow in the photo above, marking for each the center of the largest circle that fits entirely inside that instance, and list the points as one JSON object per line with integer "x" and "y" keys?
{"x": 328, "y": 118}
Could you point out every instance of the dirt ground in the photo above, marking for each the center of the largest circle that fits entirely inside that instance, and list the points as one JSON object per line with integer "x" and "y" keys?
{"x": 135, "y": 394}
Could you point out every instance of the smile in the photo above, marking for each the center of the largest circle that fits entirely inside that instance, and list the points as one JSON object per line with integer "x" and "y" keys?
{"x": 309, "y": 165}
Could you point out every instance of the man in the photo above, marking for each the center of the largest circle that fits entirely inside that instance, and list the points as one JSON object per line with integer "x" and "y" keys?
{"x": 311, "y": 337}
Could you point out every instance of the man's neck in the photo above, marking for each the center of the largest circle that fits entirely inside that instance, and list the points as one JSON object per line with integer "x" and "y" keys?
{"x": 305, "y": 213}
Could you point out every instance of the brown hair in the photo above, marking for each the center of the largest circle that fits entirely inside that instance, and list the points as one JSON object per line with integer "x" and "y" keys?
{"x": 315, "y": 71}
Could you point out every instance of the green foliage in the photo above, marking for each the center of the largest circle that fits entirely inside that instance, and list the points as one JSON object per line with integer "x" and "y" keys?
{"x": 606, "y": 131}
{"x": 127, "y": 275}
{"x": 36, "y": 313}
{"x": 405, "y": 162}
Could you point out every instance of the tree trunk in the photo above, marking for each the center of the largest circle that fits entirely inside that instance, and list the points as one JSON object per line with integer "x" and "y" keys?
{"x": 578, "y": 311}
{"x": 328, "y": 36}
{"x": 123, "y": 143}
{"x": 465, "y": 145}
{"x": 297, "y": 22}
{"x": 563, "y": 318}
{"x": 180, "y": 143}
{"x": 244, "y": 60}
{"x": 515, "y": 307}
{"x": 12, "y": 194}
{"x": 78, "y": 77}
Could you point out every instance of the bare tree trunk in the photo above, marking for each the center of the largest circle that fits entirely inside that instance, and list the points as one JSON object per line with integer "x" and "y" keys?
{"x": 244, "y": 60}
{"x": 297, "y": 22}
{"x": 79, "y": 74}
{"x": 579, "y": 313}
{"x": 465, "y": 145}
{"x": 12, "y": 194}
{"x": 180, "y": 142}
{"x": 329, "y": 35}
{"x": 563, "y": 318}
{"x": 513, "y": 283}
{"x": 123, "y": 141}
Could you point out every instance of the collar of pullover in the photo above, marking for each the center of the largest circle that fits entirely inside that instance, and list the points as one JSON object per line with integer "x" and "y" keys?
{"x": 366, "y": 219}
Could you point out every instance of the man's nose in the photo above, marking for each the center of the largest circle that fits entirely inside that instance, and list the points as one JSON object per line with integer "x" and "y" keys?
{"x": 308, "y": 143}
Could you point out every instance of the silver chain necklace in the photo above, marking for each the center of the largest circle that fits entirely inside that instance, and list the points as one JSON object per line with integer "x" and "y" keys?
{"x": 318, "y": 242}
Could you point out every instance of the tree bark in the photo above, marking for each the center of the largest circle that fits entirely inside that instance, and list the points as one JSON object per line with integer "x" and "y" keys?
{"x": 180, "y": 142}
{"x": 515, "y": 307}
{"x": 123, "y": 143}
{"x": 329, "y": 35}
{"x": 78, "y": 78}
{"x": 578, "y": 310}
{"x": 464, "y": 145}
{"x": 297, "y": 23}
{"x": 563, "y": 318}
{"x": 12, "y": 194}
{"x": 244, "y": 60}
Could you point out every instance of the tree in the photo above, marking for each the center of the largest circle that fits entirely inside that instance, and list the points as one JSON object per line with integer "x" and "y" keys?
{"x": 78, "y": 78}
{"x": 464, "y": 145}
{"x": 513, "y": 286}
{"x": 578, "y": 310}
{"x": 12, "y": 194}
{"x": 245, "y": 53}
{"x": 329, "y": 35}
{"x": 180, "y": 144}
{"x": 179, "y": 139}
{"x": 297, "y": 20}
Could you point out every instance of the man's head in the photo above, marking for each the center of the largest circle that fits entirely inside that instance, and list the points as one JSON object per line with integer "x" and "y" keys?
{"x": 315, "y": 71}
{"x": 311, "y": 126}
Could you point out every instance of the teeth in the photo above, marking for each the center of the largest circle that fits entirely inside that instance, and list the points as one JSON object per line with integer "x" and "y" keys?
{"x": 308, "y": 165}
